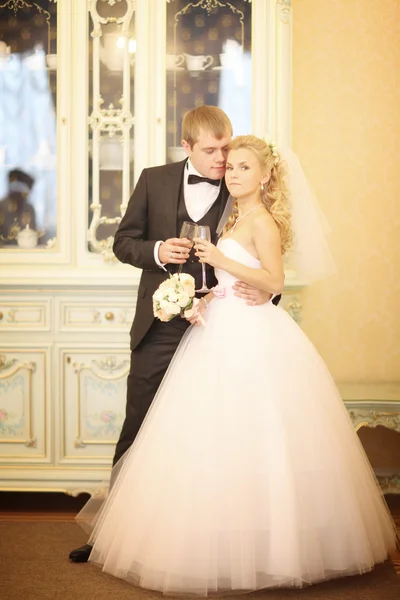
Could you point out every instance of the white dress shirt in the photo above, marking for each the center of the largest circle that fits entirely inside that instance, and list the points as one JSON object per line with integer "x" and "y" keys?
{"x": 199, "y": 197}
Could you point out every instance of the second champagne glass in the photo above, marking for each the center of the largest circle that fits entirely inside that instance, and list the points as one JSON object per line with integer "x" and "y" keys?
{"x": 203, "y": 232}
{"x": 188, "y": 231}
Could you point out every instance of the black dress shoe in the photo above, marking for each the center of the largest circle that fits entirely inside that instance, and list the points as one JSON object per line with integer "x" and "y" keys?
{"x": 81, "y": 554}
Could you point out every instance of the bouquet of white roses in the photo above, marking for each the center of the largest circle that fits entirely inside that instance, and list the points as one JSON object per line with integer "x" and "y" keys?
{"x": 175, "y": 296}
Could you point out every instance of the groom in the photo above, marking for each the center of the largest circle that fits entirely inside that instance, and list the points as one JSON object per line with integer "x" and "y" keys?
{"x": 164, "y": 197}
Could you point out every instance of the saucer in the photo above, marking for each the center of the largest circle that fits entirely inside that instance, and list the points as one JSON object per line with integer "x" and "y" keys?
{"x": 175, "y": 68}
{"x": 217, "y": 68}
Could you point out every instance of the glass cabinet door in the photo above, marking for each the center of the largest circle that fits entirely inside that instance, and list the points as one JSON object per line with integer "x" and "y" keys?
{"x": 112, "y": 48}
{"x": 28, "y": 144}
{"x": 208, "y": 61}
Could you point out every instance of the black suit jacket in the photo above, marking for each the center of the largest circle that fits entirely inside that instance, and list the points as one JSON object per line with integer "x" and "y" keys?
{"x": 151, "y": 215}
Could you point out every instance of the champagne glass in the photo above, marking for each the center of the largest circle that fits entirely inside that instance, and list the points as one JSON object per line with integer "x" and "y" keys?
{"x": 188, "y": 231}
{"x": 203, "y": 232}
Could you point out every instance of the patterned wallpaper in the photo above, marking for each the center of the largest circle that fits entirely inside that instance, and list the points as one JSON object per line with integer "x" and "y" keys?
{"x": 346, "y": 104}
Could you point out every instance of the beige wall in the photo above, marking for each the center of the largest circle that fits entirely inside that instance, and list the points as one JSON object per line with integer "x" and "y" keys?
{"x": 346, "y": 130}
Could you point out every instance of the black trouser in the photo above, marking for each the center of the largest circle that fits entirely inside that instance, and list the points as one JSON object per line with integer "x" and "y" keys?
{"x": 149, "y": 362}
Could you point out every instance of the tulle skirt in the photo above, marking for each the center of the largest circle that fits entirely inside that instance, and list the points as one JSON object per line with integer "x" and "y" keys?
{"x": 247, "y": 472}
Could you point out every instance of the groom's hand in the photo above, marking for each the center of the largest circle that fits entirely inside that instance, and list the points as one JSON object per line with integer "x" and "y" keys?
{"x": 250, "y": 294}
{"x": 174, "y": 251}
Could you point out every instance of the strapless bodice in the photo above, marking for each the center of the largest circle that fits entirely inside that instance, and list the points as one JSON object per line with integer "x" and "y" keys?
{"x": 232, "y": 249}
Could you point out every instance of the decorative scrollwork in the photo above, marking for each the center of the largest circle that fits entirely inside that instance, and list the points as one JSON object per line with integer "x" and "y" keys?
{"x": 294, "y": 309}
{"x": 96, "y": 316}
{"x": 373, "y": 418}
{"x": 6, "y": 363}
{"x": 123, "y": 317}
{"x": 105, "y": 246}
{"x": 390, "y": 484}
{"x": 112, "y": 2}
{"x": 32, "y": 443}
{"x": 209, "y": 5}
{"x": 79, "y": 444}
{"x": 110, "y": 364}
{"x": 16, "y": 5}
{"x": 285, "y": 7}
{"x": 111, "y": 127}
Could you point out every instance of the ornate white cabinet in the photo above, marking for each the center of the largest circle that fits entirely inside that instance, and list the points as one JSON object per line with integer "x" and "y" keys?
{"x": 64, "y": 359}
{"x": 91, "y": 92}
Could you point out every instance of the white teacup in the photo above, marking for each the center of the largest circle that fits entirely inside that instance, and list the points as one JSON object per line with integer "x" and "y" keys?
{"x": 51, "y": 61}
{"x": 27, "y": 238}
{"x": 173, "y": 61}
{"x": 176, "y": 153}
{"x": 198, "y": 62}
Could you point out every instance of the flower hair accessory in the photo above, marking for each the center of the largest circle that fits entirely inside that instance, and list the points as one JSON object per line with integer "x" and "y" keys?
{"x": 274, "y": 151}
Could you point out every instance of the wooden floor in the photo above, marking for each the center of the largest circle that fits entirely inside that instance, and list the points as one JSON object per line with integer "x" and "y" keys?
{"x": 50, "y": 507}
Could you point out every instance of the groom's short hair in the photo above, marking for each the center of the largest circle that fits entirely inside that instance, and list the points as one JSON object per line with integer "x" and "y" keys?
{"x": 211, "y": 119}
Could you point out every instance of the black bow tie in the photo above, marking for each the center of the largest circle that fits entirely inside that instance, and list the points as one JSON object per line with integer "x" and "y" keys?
{"x": 196, "y": 179}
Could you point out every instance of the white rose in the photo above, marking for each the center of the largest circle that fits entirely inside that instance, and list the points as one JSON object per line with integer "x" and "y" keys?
{"x": 188, "y": 288}
{"x": 158, "y": 295}
{"x": 167, "y": 284}
{"x": 183, "y": 299}
{"x": 186, "y": 278}
{"x": 160, "y": 314}
{"x": 172, "y": 309}
{"x": 172, "y": 296}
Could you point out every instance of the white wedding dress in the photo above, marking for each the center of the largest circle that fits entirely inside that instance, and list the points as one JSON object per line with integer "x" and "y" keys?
{"x": 247, "y": 472}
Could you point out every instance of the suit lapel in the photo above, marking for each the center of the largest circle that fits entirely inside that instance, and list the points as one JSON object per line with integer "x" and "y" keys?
{"x": 175, "y": 174}
{"x": 224, "y": 198}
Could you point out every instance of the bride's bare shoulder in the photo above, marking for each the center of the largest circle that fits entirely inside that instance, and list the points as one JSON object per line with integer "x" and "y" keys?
{"x": 264, "y": 224}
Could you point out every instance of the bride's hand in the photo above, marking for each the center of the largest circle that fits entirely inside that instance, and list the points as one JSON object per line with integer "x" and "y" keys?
{"x": 195, "y": 314}
{"x": 208, "y": 253}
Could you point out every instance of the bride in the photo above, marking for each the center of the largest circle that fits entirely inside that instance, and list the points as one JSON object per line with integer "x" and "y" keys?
{"x": 247, "y": 472}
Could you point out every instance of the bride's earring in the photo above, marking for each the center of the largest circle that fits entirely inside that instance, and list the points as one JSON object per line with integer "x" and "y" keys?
{"x": 262, "y": 188}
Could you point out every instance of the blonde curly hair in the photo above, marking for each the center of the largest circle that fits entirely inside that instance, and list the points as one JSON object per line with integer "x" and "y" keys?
{"x": 275, "y": 195}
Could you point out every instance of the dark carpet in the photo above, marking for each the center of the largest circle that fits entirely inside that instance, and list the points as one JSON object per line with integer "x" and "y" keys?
{"x": 34, "y": 566}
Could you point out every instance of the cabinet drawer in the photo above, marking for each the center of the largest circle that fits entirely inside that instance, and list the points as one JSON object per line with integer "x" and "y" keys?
{"x": 89, "y": 316}
{"x": 22, "y": 315}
